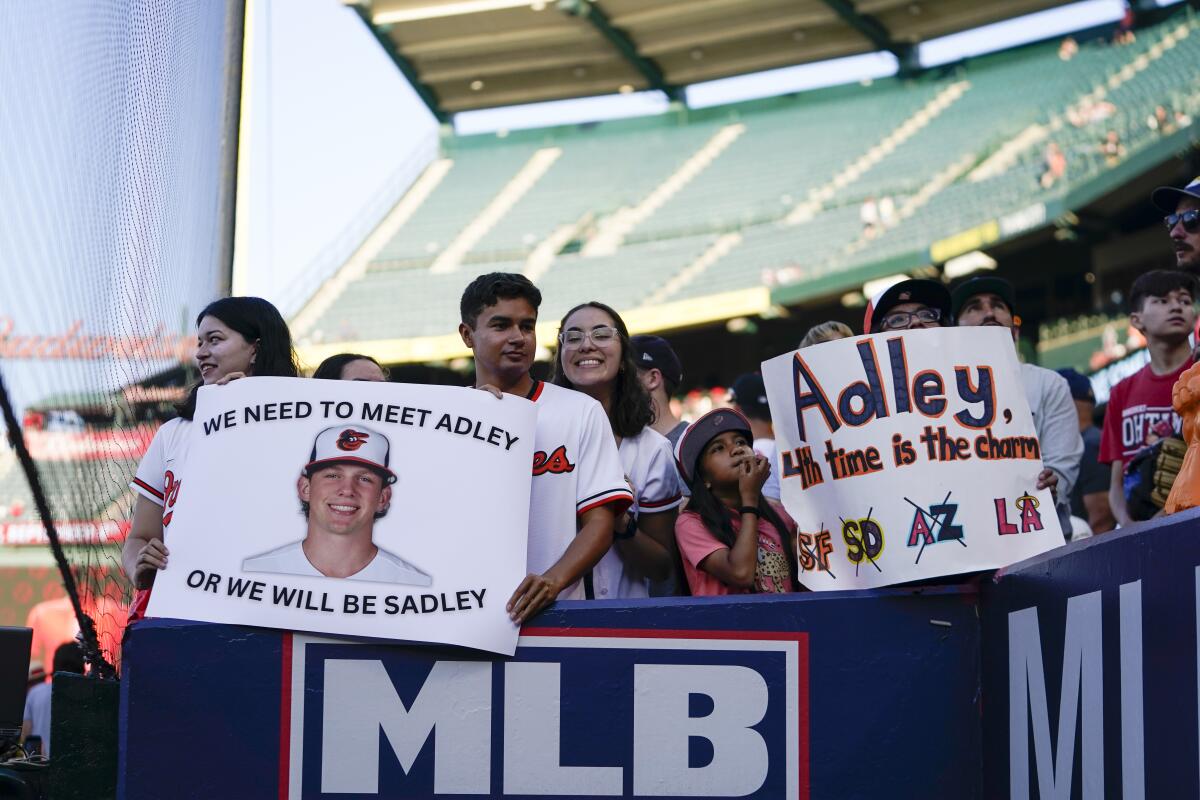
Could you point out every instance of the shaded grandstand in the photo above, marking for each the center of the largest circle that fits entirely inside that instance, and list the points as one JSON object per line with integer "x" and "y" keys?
{"x": 749, "y": 210}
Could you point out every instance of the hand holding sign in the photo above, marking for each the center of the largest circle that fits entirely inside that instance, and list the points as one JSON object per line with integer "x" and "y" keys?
{"x": 335, "y": 507}
{"x": 895, "y": 443}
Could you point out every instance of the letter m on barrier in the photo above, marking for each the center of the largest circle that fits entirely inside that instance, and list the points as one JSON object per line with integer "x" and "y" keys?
{"x": 360, "y": 700}
{"x": 1082, "y": 687}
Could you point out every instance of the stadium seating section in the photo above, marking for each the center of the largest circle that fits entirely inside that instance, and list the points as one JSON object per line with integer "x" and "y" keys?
{"x": 76, "y": 490}
{"x": 786, "y": 176}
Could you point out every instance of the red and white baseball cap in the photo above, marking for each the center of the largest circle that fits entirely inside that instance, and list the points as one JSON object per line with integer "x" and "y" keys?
{"x": 351, "y": 444}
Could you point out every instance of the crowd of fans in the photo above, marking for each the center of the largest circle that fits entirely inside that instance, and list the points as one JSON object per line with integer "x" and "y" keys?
{"x": 638, "y": 503}
{"x": 615, "y": 527}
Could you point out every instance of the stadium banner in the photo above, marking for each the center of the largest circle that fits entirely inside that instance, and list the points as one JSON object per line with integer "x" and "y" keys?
{"x": 908, "y": 455}
{"x": 1090, "y": 667}
{"x": 385, "y": 510}
{"x": 751, "y": 697}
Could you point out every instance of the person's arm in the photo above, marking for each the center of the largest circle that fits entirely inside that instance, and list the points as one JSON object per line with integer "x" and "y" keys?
{"x": 736, "y": 566}
{"x": 1116, "y": 495}
{"x": 1111, "y": 452}
{"x": 144, "y": 553}
{"x": 650, "y": 552}
{"x": 1061, "y": 442}
{"x": 1099, "y": 512}
{"x": 589, "y": 545}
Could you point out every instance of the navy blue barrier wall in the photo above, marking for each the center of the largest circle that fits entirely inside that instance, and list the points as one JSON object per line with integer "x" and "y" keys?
{"x": 1090, "y": 668}
{"x": 846, "y": 695}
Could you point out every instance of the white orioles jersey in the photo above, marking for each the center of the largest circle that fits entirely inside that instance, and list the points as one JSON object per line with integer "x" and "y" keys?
{"x": 575, "y": 469}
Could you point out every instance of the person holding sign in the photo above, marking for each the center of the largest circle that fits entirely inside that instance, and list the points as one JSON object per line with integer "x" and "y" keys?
{"x": 909, "y": 304}
{"x": 992, "y": 301}
{"x": 344, "y": 488}
{"x": 235, "y": 337}
{"x": 596, "y": 357}
{"x": 733, "y": 541}
{"x": 579, "y": 489}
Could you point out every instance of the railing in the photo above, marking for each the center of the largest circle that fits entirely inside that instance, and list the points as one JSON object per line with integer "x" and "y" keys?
{"x": 334, "y": 254}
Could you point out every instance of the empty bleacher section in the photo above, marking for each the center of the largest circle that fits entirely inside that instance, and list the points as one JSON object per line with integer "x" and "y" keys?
{"x": 476, "y": 177}
{"x": 773, "y": 189}
{"x": 76, "y": 490}
{"x": 588, "y": 181}
{"x": 1093, "y": 340}
{"x": 791, "y": 146}
{"x": 85, "y": 474}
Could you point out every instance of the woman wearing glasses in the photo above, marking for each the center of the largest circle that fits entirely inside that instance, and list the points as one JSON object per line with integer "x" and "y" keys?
{"x": 595, "y": 357}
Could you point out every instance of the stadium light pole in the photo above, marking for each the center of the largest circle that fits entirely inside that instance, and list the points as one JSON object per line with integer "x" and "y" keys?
{"x": 231, "y": 115}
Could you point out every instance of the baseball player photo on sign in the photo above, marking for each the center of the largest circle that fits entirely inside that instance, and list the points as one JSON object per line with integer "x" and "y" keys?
{"x": 343, "y": 489}
{"x": 302, "y": 495}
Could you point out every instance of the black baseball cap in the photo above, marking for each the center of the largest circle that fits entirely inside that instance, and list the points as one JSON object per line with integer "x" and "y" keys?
{"x": 984, "y": 285}
{"x": 749, "y": 393}
{"x": 1166, "y": 198}
{"x": 655, "y": 352}
{"x": 1080, "y": 384}
{"x": 913, "y": 290}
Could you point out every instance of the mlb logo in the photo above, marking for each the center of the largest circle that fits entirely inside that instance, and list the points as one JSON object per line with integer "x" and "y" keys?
{"x": 575, "y": 713}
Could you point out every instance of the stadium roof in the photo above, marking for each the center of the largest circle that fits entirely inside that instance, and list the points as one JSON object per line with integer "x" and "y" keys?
{"x": 470, "y": 54}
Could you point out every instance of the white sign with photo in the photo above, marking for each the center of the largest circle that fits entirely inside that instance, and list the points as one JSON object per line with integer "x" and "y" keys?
{"x": 380, "y": 510}
{"x": 908, "y": 455}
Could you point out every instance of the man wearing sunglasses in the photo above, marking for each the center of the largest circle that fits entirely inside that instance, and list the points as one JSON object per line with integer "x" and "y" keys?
{"x": 1182, "y": 209}
{"x": 913, "y": 303}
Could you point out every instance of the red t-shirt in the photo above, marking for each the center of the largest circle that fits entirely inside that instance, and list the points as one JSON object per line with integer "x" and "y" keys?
{"x": 1135, "y": 406}
{"x": 53, "y": 623}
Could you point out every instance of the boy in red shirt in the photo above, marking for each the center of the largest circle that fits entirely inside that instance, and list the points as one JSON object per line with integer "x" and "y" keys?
{"x": 1162, "y": 308}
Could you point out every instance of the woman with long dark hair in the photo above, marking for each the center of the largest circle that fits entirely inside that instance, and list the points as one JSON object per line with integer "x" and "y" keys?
{"x": 235, "y": 337}
{"x": 595, "y": 357}
{"x": 732, "y": 539}
{"x": 351, "y": 367}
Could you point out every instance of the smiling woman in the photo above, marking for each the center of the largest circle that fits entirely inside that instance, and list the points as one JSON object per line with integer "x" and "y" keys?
{"x": 595, "y": 357}
{"x": 235, "y": 337}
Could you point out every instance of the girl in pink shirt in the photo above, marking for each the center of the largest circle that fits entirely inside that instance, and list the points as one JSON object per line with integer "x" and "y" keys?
{"x": 733, "y": 541}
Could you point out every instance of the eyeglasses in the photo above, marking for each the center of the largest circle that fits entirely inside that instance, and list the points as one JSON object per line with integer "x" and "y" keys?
{"x": 600, "y": 335}
{"x": 1189, "y": 218}
{"x": 902, "y": 319}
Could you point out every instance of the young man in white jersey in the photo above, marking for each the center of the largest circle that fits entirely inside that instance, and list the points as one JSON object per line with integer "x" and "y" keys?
{"x": 579, "y": 488}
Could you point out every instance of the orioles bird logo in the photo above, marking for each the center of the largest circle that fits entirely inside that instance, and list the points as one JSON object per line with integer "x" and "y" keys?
{"x": 350, "y": 439}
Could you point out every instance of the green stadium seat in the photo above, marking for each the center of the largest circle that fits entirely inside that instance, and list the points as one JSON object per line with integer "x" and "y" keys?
{"x": 790, "y": 147}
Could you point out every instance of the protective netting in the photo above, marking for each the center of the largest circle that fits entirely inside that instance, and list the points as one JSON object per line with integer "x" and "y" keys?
{"x": 117, "y": 149}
